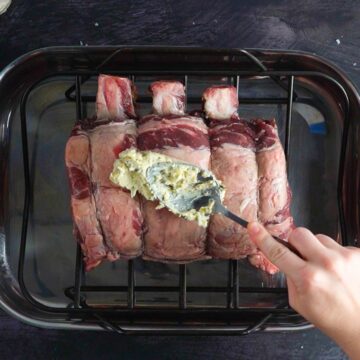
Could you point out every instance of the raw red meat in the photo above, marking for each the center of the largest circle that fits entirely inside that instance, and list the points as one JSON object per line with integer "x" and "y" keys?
{"x": 168, "y": 97}
{"x": 116, "y": 209}
{"x": 121, "y": 221}
{"x": 233, "y": 161}
{"x": 109, "y": 211}
{"x": 246, "y": 156}
{"x": 118, "y": 213}
{"x": 86, "y": 225}
{"x": 107, "y": 142}
{"x": 182, "y": 137}
{"x": 274, "y": 190}
{"x": 114, "y": 99}
{"x": 220, "y": 102}
{"x": 169, "y": 237}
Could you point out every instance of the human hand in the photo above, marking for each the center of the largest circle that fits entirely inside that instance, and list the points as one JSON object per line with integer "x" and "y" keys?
{"x": 324, "y": 286}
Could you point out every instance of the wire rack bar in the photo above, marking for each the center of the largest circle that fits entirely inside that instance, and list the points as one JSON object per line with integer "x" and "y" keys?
{"x": 289, "y": 106}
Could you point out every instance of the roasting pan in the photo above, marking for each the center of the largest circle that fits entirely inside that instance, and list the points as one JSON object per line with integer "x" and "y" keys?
{"x": 43, "y": 283}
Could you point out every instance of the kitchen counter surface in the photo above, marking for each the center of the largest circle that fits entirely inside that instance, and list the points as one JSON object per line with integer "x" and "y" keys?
{"x": 325, "y": 27}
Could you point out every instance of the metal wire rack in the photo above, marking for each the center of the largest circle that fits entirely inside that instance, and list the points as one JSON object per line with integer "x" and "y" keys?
{"x": 159, "y": 319}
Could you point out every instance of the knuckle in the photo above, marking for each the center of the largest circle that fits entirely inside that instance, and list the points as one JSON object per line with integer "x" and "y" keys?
{"x": 300, "y": 230}
{"x": 297, "y": 234}
{"x": 333, "y": 263}
{"x": 277, "y": 253}
{"x": 319, "y": 236}
{"x": 311, "y": 280}
{"x": 351, "y": 255}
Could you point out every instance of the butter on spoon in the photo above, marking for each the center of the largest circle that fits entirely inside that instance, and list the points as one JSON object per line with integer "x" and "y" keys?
{"x": 178, "y": 186}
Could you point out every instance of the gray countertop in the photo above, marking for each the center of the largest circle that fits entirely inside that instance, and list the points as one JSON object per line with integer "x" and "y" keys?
{"x": 325, "y": 27}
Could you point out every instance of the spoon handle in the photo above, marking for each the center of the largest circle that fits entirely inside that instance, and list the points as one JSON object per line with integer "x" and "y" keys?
{"x": 220, "y": 208}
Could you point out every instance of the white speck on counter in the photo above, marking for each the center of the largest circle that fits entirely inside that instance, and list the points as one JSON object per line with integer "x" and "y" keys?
{"x": 96, "y": 24}
{"x": 193, "y": 23}
{"x": 354, "y": 64}
{"x": 4, "y": 5}
{"x": 302, "y": 346}
{"x": 338, "y": 41}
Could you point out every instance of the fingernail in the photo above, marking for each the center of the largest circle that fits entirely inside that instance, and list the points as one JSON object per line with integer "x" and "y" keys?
{"x": 254, "y": 228}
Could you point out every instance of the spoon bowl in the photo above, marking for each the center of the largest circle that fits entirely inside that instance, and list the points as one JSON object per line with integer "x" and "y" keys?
{"x": 186, "y": 195}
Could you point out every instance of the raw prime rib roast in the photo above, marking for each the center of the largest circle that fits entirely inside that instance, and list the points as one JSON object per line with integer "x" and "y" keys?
{"x": 170, "y": 132}
{"x": 246, "y": 156}
{"x": 107, "y": 221}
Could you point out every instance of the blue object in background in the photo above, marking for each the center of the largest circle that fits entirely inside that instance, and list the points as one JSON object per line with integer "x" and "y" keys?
{"x": 313, "y": 117}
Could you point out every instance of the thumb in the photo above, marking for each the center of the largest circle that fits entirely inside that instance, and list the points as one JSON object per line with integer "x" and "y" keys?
{"x": 278, "y": 254}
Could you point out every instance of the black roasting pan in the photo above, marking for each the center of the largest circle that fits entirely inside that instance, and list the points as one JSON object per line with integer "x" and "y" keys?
{"x": 42, "y": 93}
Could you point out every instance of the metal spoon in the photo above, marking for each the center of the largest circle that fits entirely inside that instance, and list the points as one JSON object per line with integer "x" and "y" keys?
{"x": 193, "y": 197}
